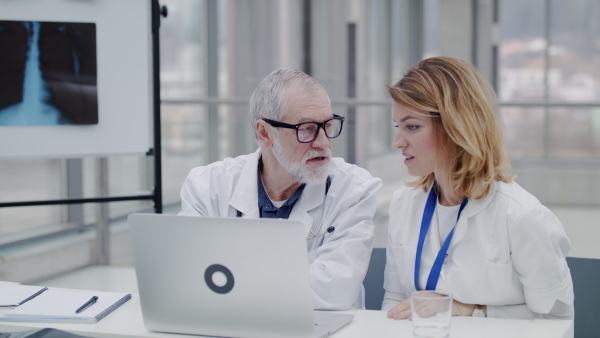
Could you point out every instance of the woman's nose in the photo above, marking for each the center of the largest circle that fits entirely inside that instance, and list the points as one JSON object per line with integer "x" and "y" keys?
{"x": 399, "y": 141}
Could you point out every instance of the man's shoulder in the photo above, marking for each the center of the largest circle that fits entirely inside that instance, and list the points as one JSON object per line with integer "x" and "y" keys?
{"x": 340, "y": 169}
{"x": 229, "y": 164}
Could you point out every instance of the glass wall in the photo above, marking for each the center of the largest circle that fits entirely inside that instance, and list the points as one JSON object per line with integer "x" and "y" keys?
{"x": 550, "y": 77}
{"x": 29, "y": 180}
{"x": 353, "y": 53}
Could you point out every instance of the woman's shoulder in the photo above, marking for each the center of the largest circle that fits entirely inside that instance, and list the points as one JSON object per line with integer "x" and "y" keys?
{"x": 521, "y": 206}
{"x": 515, "y": 195}
{"x": 527, "y": 217}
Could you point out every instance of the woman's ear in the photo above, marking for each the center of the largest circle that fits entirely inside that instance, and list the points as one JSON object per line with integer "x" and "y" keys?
{"x": 264, "y": 133}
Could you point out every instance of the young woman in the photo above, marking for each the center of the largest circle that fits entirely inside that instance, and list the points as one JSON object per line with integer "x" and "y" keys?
{"x": 463, "y": 227}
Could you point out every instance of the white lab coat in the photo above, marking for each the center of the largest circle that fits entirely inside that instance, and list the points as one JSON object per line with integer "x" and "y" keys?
{"x": 508, "y": 252}
{"x": 339, "y": 260}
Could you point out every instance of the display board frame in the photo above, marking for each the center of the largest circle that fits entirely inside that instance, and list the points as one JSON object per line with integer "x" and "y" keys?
{"x": 124, "y": 82}
{"x": 149, "y": 147}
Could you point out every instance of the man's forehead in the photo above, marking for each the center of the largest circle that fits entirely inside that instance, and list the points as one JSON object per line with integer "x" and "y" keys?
{"x": 296, "y": 92}
{"x": 310, "y": 114}
{"x": 313, "y": 106}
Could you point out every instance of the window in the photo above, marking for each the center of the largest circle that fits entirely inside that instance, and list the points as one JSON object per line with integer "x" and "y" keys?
{"x": 550, "y": 78}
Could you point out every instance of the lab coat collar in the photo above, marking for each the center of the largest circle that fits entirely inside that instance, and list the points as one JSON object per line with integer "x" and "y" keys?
{"x": 241, "y": 199}
{"x": 312, "y": 197}
{"x": 245, "y": 195}
{"x": 476, "y": 206}
{"x": 471, "y": 209}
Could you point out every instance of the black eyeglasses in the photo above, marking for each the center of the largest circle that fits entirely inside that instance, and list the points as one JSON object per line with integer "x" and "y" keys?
{"x": 307, "y": 132}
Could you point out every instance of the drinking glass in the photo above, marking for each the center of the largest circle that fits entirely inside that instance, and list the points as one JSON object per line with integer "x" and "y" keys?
{"x": 431, "y": 313}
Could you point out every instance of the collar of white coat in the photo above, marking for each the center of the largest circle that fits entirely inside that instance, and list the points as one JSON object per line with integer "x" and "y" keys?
{"x": 472, "y": 208}
{"x": 245, "y": 195}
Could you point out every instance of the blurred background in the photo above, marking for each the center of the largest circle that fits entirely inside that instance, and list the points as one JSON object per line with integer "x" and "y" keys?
{"x": 541, "y": 56}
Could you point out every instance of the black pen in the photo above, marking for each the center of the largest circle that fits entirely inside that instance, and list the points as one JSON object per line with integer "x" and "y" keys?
{"x": 87, "y": 304}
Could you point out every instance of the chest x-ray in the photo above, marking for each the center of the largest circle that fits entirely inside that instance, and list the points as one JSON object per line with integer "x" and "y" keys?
{"x": 48, "y": 73}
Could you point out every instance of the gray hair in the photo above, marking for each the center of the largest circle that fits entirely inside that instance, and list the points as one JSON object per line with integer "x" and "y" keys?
{"x": 269, "y": 99}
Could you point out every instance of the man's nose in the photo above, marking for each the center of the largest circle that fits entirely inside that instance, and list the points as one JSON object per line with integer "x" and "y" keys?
{"x": 321, "y": 141}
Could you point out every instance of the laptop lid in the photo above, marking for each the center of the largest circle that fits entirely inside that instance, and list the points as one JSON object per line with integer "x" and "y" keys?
{"x": 233, "y": 277}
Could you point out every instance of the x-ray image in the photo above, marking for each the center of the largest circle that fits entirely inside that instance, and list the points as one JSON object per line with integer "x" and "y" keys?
{"x": 48, "y": 73}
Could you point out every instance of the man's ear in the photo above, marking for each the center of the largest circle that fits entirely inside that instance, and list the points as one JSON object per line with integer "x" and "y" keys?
{"x": 264, "y": 133}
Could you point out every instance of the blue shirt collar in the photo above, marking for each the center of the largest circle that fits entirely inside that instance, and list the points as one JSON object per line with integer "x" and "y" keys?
{"x": 266, "y": 208}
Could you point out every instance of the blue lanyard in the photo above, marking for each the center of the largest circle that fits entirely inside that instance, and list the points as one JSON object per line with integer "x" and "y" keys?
{"x": 434, "y": 274}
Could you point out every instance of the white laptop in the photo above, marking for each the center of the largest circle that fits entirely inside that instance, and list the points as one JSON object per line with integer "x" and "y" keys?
{"x": 226, "y": 277}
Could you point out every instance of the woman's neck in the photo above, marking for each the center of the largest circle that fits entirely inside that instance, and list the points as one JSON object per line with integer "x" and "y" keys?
{"x": 442, "y": 197}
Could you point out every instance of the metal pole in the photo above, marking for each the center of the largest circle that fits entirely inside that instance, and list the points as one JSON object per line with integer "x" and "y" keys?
{"x": 416, "y": 31}
{"x": 75, "y": 190}
{"x": 475, "y": 32}
{"x": 351, "y": 90}
{"x": 546, "y": 131}
{"x": 156, "y": 13}
{"x": 103, "y": 237}
{"x": 306, "y": 37}
{"x": 211, "y": 149}
{"x": 77, "y": 201}
{"x": 495, "y": 47}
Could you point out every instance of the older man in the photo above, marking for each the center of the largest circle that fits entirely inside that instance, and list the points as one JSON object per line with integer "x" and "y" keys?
{"x": 293, "y": 175}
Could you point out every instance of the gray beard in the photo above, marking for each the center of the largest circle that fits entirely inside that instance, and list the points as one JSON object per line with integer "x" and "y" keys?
{"x": 300, "y": 171}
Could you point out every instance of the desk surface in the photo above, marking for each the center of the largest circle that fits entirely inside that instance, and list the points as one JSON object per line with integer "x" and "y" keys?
{"x": 126, "y": 321}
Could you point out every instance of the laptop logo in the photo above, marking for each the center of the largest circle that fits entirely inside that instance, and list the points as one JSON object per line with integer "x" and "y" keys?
{"x": 219, "y": 278}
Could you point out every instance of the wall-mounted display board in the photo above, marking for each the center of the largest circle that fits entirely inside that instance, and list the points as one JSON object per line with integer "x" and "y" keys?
{"x": 75, "y": 78}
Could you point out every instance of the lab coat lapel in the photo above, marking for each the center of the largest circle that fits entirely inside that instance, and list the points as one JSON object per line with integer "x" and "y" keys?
{"x": 312, "y": 197}
{"x": 245, "y": 195}
{"x": 472, "y": 208}
{"x": 460, "y": 229}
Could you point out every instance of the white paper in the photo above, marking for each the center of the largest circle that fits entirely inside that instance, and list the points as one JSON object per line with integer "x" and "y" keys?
{"x": 60, "y": 306}
{"x": 14, "y": 294}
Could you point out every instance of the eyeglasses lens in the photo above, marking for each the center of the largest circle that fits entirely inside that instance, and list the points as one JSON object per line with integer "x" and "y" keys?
{"x": 309, "y": 131}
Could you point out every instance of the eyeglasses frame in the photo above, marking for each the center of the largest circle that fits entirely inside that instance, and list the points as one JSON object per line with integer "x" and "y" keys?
{"x": 320, "y": 125}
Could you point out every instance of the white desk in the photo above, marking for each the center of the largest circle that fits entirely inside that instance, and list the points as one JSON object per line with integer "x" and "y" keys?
{"x": 126, "y": 321}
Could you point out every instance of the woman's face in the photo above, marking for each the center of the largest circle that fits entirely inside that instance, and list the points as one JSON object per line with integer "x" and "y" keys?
{"x": 416, "y": 137}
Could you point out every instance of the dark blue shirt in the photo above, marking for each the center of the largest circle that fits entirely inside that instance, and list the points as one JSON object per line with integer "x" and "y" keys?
{"x": 266, "y": 208}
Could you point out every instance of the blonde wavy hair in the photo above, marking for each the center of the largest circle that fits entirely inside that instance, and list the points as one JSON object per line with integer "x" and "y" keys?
{"x": 464, "y": 111}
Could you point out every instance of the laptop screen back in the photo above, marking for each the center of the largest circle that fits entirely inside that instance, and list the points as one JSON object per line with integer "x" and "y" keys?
{"x": 232, "y": 277}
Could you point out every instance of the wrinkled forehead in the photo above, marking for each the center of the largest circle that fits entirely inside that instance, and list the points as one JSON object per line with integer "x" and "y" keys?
{"x": 307, "y": 104}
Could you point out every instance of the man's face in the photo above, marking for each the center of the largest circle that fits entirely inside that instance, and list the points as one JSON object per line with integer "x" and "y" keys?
{"x": 305, "y": 162}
